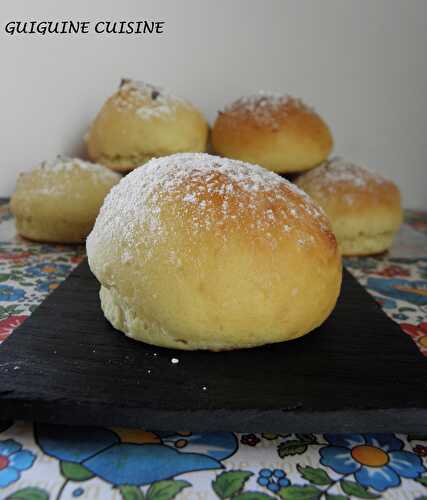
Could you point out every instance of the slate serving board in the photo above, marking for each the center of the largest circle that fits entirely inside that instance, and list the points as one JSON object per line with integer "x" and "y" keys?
{"x": 357, "y": 372}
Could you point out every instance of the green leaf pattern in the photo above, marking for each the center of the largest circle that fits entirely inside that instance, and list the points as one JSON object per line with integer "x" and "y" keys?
{"x": 230, "y": 483}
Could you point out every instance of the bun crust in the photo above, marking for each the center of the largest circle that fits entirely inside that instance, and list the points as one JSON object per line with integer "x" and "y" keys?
{"x": 140, "y": 122}
{"x": 364, "y": 208}
{"x": 58, "y": 202}
{"x": 199, "y": 252}
{"x": 278, "y": 132}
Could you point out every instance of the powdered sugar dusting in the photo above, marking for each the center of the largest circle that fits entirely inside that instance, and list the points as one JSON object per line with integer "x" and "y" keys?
{"x": 336, "y": 173}
{"x": 148, "y": 101}
{"x": 65, "y": 164}
{"x": 208, "y": 193}
{"x": 263, "y": 107}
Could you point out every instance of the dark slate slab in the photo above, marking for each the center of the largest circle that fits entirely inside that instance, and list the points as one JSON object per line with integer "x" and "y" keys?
{"x": 357, "y": 372}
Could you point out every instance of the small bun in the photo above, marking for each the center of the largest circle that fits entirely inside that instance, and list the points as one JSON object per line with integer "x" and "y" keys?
{"x": 363, "y": 207}
{"x": 276, "y": 131}
{"x": 195, "y": 251}
{"x": 58, "y": 201}
{"x": 141, "y": 121}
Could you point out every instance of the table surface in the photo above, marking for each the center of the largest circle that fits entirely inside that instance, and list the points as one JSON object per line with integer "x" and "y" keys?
{"x": 39, "y": 462}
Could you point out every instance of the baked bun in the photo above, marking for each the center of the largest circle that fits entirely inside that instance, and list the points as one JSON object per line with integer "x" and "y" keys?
{"x": 364, "y": 208}
{"x": 141, "y": 121}
{"x": 58, "y": 201}
{"x": 276, "y": 131}
{"x": 195, "y": 251}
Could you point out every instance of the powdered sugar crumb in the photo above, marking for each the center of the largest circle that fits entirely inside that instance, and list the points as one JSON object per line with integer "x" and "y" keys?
{"x": 190, "y": 198}
{"x": 126, "y": 256}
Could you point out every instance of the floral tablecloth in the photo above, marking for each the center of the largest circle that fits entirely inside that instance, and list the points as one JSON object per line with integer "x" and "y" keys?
{"x": 38, "y": 462}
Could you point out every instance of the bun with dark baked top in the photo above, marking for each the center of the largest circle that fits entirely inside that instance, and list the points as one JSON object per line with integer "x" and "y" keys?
{"x": 275, "y": 131}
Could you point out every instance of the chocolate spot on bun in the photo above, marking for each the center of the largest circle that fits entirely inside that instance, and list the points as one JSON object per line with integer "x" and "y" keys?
{"x": 124, "y": 81}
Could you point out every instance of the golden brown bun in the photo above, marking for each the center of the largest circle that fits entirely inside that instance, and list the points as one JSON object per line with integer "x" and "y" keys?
{"x": 58, "y": 202}
{"x": 364, "y": 208}
{"x": 278, "y": 132}
{"x": 195, "y": 251}
{"x": 141, "y": 121}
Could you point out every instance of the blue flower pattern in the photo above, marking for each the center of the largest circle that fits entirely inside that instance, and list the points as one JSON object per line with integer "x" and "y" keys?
{"x": 125, "y": 463}
{"x": 13, "y": 460}
{"x": 376, "y": 460}
{"x": 273, "y": 480}
{"x": 10, "y": 293}
{"x": 47, "y": 268}
{"x": 413, "y": 291}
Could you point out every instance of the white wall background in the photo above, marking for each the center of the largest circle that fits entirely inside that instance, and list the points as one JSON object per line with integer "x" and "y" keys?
{"x": 363, "y": 65}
